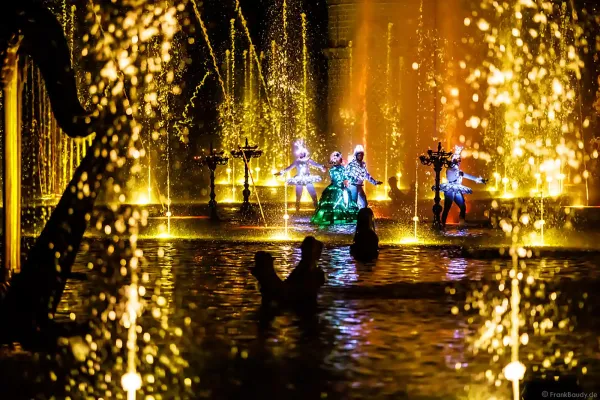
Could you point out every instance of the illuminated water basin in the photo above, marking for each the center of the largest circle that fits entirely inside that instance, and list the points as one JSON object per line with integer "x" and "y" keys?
{"x": 384, "y": 330}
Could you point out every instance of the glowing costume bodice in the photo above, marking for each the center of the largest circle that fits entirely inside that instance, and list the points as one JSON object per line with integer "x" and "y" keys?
{"x": 335, "y": 206}
{"x": 338, "y": 175}
{"x": 302, "y": 168}
{"x": 453, "y": 175}
{"x": 303, "y": 176}
{"x": 357, "y": 173}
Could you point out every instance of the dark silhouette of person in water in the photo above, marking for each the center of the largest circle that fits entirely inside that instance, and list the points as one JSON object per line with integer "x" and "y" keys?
{"x": 307, "y": 278}
{"x": 395, "y": 194}
{"x": 301, "y": 287}
{"x": 271, "y": 286}
{"x": 366, "y": 242}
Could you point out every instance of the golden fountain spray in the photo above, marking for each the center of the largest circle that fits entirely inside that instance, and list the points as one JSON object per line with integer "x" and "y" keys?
{"x": 388, "y": 106}
{"x": 210, "y": 49}
{"x": 416, "y": 216}
{"x": 231, "y": 100}
{"x": 416, "y": 67}
{"x": 515, "y": 370}
{"x": 252, "y": 50}
{"x": 226, "y": 97}
{"x": 285, "y": 68}
{"x": 304, "y": 79}
{"x": 131, "y": 381}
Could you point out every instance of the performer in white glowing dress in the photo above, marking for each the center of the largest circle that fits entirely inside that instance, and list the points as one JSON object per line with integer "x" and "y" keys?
{"x": 454, "y": 190}
{"x": 303, "y": 176}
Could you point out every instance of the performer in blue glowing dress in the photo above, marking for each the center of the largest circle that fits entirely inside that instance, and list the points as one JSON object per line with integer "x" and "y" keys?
{"x": 454, "y": 190}
{"x": 336, "y": 205}
{"x": 303, "y": 176}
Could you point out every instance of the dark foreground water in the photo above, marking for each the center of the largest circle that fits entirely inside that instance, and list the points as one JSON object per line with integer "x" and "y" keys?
{"x": 384, "y": 330}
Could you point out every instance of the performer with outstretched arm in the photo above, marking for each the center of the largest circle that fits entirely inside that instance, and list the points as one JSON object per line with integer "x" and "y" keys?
{"x": 357, "y": 173}
{"x": 454, "y": 190}
{"x": 303, "y": 176}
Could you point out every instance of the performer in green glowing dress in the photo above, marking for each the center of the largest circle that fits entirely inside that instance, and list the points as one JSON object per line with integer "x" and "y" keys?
{"x": 336, "y": 205}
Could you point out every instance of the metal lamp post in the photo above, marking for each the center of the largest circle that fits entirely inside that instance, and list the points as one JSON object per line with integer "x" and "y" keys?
{"x": 213, "y": 160}
{"x": 439, "y": 159}
{"x": 246, "y": 153}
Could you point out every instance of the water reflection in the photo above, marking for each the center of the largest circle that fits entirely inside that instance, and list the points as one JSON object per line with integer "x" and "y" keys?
{"x": 350, "y": 326}
{"x": 455, "y": 351}
{"x": 342, "y": 269}
{"x": 457, "y": 268}
{"x": 375, "y": 346}
{"x": 165, "y": 283}
{"x": 464, "y": 233}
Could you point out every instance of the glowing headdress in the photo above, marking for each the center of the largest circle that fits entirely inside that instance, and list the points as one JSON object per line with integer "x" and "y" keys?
{"x": 335, "y": 157}
{"x": 301, "y": 149}
{"x": 456, "y": 156}
{"x": 359, "y": 149}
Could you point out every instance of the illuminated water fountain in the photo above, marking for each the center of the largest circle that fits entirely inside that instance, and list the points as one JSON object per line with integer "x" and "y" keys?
{"x": 116, "y": 356}
{"x": 416, "y": 216}
{"x": 520, "y": 311}
{"x": 529, "y": 83}
{"x": 266, "y": 97}
{"x": 232, "y": 127}
{"x": 134, "y": 350}
{"x": 54, "y": 156}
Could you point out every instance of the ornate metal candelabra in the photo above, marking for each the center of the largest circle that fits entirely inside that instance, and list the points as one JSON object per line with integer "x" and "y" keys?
{"x": 213, "y": 160}
{"x": 246, "y": 153}
{"x": 439, "y": 159}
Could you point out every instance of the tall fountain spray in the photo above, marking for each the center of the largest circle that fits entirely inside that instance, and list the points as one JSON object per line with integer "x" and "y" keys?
{"x": 131, "y": 381}
{"x": 387, "y": 107}
{"x": 542, "y": 222}
{"x": 528, "y": 80}
{"x": 304, "y": 134}
{"x": 515, "y": 370}
{"x": 231, "y": 99}
{"x": 253, "y": 54}
{"x": 266, "y": 90}
{"x": 48, "y": 144}
{"x": 118, "y": 350}
{"x": 417, "y": 67}
{"x": 281, "y": 91}
{"x": 284, "y": 72}
{"x": 168, "y": 185}
{"x": 232, "y": 128}
{"x": 416, "y": 216}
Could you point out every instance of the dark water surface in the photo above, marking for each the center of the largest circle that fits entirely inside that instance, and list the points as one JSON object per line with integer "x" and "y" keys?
{"x": 384, "y": 330}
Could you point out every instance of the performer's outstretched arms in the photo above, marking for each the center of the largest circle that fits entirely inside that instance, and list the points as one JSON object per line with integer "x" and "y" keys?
{"x": 283, "y": 171}
{"x": 371, "y": 179}
{"x": 472, "y": 178}
{"x": 317, "y": 165}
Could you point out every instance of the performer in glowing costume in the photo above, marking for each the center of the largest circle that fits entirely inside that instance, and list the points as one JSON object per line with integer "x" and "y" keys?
{"x": 303, "y": 176}
{"x": 357, "y": 174}
{"x": 336, "y": 206}
{"x": 454, "y": 190}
